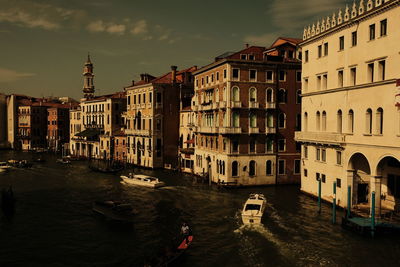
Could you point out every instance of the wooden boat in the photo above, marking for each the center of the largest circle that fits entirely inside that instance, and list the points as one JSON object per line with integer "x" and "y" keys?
{"x": 253, "y": 209}
{"x": 63, "y": 161}
{"x": 114, "y": 211}
{"x": 19, "y": 163}
{"x": 142, "y": 180}
{"x": 172, "y": 255}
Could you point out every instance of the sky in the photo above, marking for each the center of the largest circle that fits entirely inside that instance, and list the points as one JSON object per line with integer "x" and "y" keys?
{"x": 44, "y": 43}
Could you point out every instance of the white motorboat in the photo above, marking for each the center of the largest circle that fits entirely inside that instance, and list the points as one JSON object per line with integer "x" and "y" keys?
{"x": 142, "y": 180}
{"x": 253, "y": 209}
{"x": 4, "y": 166}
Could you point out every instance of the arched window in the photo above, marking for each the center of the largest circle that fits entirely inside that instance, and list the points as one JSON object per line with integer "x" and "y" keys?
{"x": 235, "y": 119}
{"x": 298, "y": 97}
{"x": 305, "y": 121}
{"x": 282, "y": 120}
{"x": 252, "y": 168}
{"x": 224, "y": 94}
{"x": 268, "y": 168}
{"x": 270, "y": 95}
{"x": 223, "y": 167}
{"x": 253, "y": 94}
{"x": 323, "y": 121}
{"x": 139, "y": 120}
{"x": 350, "y": 125}
{"x": 235, "y": 169}
{"x": 339, "y": 121}
{"x": 368, "y": 121}
{"x": 181, "y": 141}
{"x": 252, "y": 145}
{"x": 270, "y": 120}
{"x": 217, "y": 95}
{"x": 318, "y": 121}
{"x": 253, "y": 120}
{"x": 379, "y": 121}
{"x": 282, "y": 96}
{"x": 235, "y": 94}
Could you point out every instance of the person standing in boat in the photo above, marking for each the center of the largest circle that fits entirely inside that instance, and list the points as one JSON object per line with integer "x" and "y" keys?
{"x": 185, "y": 230}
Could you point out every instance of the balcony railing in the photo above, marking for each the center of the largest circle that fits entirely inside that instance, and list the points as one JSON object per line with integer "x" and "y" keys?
{"x": 236, "y": 104}
{"x": 253, "y": 104}
{"x": 207, "y": 129}
{"x": 270, "y": 130}
{"x": 230, "y": 130}
{"x": 320, "y": 137}
{"x": 138, "y": 132}
{"x": 270, "y": 105}
{"x": 254, "y": 130}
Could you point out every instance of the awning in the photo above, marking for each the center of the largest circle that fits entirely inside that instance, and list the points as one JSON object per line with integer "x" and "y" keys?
{"x": 89, "y": 133}
{"x": 191, "y": 141}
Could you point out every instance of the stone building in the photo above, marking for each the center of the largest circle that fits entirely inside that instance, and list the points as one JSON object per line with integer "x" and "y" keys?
{"x": 247, "y": 109}
{"x": 57, "y": 126}
{"x": 152, "y": 118}
{"x": 187, "y": 139}
{"x": 351, "y": 123}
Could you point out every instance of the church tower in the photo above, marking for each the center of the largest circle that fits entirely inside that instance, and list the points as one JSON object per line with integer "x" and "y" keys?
{"x": 88, "y": 85}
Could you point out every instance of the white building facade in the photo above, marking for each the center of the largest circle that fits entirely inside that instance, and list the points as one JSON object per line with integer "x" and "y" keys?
{"x": 350, "y": 121}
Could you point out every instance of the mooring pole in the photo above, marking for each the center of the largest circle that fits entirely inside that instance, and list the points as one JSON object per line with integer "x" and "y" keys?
{"x": 373, "y": 214}
{"x": 319, "y": 195}
{"x": 348, "y": 201}
{"x": 334, "y": 204}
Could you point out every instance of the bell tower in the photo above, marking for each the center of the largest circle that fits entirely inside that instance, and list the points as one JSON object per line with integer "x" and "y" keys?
{"x": 88, "y": 85}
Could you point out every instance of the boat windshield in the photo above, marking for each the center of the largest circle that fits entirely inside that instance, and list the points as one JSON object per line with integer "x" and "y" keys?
{"x": 252, "y": 207}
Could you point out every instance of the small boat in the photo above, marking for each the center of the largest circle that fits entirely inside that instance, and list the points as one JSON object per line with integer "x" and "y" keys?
{"x": 114, "y": 211}
{"x": 63, "y": 161}
{"x": 19, "y": 163}
{"x": 253, "y": 209}
{"x": 142, "y": 180}
{"x": 4, "y": 166}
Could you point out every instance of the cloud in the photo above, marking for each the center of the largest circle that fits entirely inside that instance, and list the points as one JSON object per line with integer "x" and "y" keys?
{"x": 101, "y": 26}
{"x": 7, "y": 75}
{"x": 140, "y": 27}
{"x": 37, "y": 15}
{"x": 289, "y": 18}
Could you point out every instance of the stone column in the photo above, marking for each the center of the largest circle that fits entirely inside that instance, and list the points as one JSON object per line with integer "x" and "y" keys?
{"x": 376, "y": 186}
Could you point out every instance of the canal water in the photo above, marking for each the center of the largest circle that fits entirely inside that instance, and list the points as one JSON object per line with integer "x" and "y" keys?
{"x": 54, "y": 224}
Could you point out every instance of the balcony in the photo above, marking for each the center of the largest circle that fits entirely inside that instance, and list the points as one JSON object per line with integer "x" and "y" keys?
{"x": 230, "y": 130}
{"x": 222, "y": 104}
{"x": 206, "y": 106}
{"x": 270, "y": 105}
{"x": 138, "y": 132}
{"x": 236, "y": 104}
{"x": 320, "y": 137}
{"x": 253, "y": 104}
{"x": 270, "y": 130}
{"x": 254, "y": 130}
{"x": 209, "y": 130}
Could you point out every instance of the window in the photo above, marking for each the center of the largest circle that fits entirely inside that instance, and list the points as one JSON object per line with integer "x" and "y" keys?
{"x": 305, "y": 173}
{"x": 353, "y": 76}
{"x": 235, "y": 74}
{"x": 235, "y": 169}
{"x": 243, "y": 57}
{"x": 270, "y": 145}
{"x": 207, "y": 79}
{"x": 354, "y": 38}
{"x": 212, "y": 78}
{"x": 339, "y": 182}
{"x": 381, "y": 70}
{"x": 324, "y": 81}
{"x": 323, "y": 155}
{"x": 282, "y": 145}
{"x": 290, "y": 54}
{"x": 253, "y": 94}
{"x": 339, "y": 157}
{"x": 351, "y": 121}
{"x": 217, "y": 76}
{"x": 323, "y": 121}
{"x": 296, "y": 166}
{"x": 368, "y": 121}
{"x": 225, "y": 74}
{"x": 252, "y": 168}
{"x": 298, "y": 76}
{"x": 269, "y": 95}
{"x": 341, "y": 43}
{"x": 319, "y": 51}
{"x": 235, "y": 119}
{"x": 318, "y": 176}
{"x": 252, "y": 145}
{"x": 235, "y": 94}
{"x": 253, "y": 120}
{"x": 339, "y": 121}
{"x": 305, "y": 152}
{"x": 383, "y": 27}
{"x": 281, "y": 166}
{"x": 253, "y": 75}
{"x": 305, "y": 84}
{"x": 269, "y": 76}
{"x": 318, "y": 120}
{"x": 326, "y": 49}
{"x": 268, "y": 167}
{"x": 323, "y": 178}
{"x": 202, "y": 81}
{"x": 282, "y": 95}
{"x": 298, "y": 96}
{"x": 298, "y": 122}
{"x": 282, "y": 120}
{"x": 282, "y": 75}
{"x": 371, "y": 72}
{"x": 235, "y": 146}
{"x": 379, "y": 121}
{"x": 318, "y": 154}
{"x": 134, "y": 99}
{"x": 251, "y": 57}
{"x": 319, "y": 78}
{"x": 306, "y": 56}
{"x": 372, "y": 32}
{"x": 340, "y": 78}
{"x": 158, "y": 97}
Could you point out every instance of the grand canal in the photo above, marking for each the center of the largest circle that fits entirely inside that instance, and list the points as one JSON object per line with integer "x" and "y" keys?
{"x": 54, "y": 224}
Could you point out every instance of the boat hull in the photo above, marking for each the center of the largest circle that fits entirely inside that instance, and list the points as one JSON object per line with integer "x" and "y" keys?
{"x": 131, "y": 181}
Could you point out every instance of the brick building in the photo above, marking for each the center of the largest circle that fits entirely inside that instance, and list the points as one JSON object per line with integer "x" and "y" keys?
{"x": 57, "y": 126}
{"x": 247, "y": 108}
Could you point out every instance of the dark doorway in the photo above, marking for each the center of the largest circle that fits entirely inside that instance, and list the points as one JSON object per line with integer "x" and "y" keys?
{"x": 362, "y": 193}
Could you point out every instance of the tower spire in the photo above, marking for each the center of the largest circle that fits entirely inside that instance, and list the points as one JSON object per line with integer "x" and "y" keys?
{"x": 88, "y": 84}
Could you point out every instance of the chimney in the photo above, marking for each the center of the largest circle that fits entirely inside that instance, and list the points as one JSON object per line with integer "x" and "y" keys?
{"x": 133, "y": 82}
{"x": 142, "y": 77}
{"x": 173, "y": 74}
{"x": 247, "y": 45}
